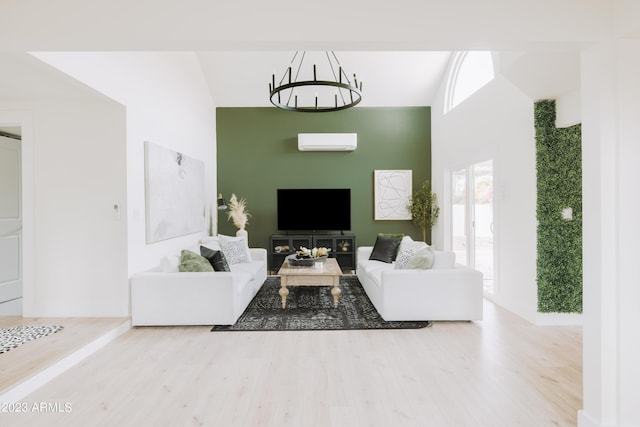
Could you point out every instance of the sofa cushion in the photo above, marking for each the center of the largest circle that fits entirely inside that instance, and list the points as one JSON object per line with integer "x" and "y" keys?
{"x": 235, "y": 249}
{"x": 423, "y": 259}
{"x": 216, "y": 258}
{"x": 245, "y": 273}
{"x": 374, "y": 269}
{"x": 191, "y": 261}
{"x": 385, "y": 249}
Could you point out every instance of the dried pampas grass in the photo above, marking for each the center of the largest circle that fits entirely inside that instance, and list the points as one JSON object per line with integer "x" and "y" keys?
{"x": 238, "y": 212}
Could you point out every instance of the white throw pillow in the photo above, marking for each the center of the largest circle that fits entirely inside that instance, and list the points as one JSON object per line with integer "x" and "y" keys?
{"x": 422, "y": 259}
{"x": 235, "y": 249}
{"x": 407, "y": 250}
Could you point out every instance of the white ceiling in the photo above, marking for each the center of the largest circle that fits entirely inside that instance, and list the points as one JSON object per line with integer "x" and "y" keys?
{"x": 27, "y": 79}
{"x": 389, "y": 79}
{"x": 241, "y": 78}
{"x": 398, "y": 50}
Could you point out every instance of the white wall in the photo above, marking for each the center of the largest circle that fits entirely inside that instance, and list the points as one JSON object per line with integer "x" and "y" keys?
{"x": 494, "y": 123}
{"x": 81, "y": 157}
{"x": 611, "y": 233}
{"x": 168, "y": 103}
{"x": 74, "y": 259}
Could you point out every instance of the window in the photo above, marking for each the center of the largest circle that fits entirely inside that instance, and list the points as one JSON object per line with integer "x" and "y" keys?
{"x": 469, "y": 72}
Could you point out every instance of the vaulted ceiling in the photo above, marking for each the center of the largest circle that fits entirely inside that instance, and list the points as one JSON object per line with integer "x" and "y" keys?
{"x": 399, "y": 51}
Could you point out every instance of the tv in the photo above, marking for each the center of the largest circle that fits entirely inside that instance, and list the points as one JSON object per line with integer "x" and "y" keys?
{"x": 314, "y": 209}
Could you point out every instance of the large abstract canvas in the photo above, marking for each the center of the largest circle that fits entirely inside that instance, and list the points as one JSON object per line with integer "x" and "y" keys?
{"x": 175, "y": 195}
{"x": 392, "y": 192}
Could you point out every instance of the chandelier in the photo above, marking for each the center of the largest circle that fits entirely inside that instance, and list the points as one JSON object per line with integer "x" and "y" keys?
{"x": 297, "y": 91}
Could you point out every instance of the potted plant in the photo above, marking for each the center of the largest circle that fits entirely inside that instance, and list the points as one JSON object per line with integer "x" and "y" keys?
{"x": 344, "y": 245}
{"x": 423, "y": 206}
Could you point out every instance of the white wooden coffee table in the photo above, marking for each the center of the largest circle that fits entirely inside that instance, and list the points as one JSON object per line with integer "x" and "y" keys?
{"x": 325, "y": 273}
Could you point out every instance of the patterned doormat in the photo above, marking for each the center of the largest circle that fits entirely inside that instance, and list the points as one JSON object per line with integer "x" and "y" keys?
{"x": 13, "y": 337}
{"x": 311, "y": 308}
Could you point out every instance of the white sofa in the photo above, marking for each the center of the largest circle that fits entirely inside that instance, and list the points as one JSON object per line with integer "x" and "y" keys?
{"x": 163, "y": 298}
{"x": 447, "y": 291}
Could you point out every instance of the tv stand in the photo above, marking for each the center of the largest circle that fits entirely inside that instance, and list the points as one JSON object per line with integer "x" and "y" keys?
{"x": 343, "y": 247}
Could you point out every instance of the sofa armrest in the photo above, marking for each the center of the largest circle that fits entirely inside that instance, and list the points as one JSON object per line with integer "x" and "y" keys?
{"x": 185, "y": 298}
{"x": 448, "y": 294}
{"x": 259, "y": 254}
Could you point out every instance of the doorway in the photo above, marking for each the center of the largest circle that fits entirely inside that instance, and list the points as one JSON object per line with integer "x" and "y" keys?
{"x": 10, "y": 222}
{"x": 472, "y": 226}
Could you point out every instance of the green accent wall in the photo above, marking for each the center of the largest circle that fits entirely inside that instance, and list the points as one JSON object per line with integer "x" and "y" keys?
{"x": 257, "y": 151}
{"x": 559, "y": 186}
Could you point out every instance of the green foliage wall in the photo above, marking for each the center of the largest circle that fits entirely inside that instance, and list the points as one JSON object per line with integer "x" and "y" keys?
{"x": 559, "y": 186}
{"x": 258, "y": 153}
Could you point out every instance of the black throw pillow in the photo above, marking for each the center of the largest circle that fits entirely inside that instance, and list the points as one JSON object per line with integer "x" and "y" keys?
{"x": 385, "y": 248}
{"x": 216, "y": 258}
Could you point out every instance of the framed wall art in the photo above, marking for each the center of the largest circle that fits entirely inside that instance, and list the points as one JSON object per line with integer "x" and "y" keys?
{"x": 392, "y": 191}
{"x": 175, "y": 195}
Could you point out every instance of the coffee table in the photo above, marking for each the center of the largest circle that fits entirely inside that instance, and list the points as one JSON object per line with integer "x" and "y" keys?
{"x": 325, "y": 273}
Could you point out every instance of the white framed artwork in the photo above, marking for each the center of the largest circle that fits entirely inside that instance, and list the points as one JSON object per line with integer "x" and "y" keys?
{"x": 392, "y": 191}
{"x": 175, "y": 195}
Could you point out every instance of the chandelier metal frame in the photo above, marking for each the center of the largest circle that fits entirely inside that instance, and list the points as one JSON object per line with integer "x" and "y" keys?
{"x": 289, "y": 82}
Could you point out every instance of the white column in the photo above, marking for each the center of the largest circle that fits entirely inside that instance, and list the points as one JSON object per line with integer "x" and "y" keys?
{"x": 611, "y": 168}
{"x": 628, "y": 52}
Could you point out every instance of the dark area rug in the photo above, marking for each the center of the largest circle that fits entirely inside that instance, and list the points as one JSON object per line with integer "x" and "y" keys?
{"x": 311, "y": 308}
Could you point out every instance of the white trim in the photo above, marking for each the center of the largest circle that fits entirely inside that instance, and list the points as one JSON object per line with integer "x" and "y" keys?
{"x": 458, "y": 59}
{"x": 24, "y": 119}
{"x": 457, "y": 65}
{"x": 559, "y": 319}
{"x": 19, "y": 392}
{"x": 585, "y": 420}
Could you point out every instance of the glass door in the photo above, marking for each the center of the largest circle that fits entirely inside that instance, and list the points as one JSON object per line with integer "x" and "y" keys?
{"x": 472, "y": 219}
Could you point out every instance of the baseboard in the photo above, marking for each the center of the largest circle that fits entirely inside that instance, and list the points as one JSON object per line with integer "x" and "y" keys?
{"x": 20, "y": 391}
{"x": 585, "y": 420}
{"x": 11, "y": 308}
{"x": 559, "y": 319}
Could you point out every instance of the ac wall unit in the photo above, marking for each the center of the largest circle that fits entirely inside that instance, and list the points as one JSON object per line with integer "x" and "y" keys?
{"x": 327, "y": 141}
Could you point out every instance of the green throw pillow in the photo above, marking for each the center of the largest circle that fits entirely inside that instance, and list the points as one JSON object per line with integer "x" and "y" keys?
{"x": 191, "y": 261}
{"x": 392, "y": 235}
{"x": 423, "y": 258}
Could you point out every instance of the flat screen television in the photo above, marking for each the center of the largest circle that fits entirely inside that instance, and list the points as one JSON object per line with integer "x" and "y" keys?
{"x": 316, "y": 209}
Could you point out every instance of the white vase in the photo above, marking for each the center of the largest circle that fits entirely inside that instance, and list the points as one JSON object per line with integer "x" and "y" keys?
{"x": 242, "y": 233}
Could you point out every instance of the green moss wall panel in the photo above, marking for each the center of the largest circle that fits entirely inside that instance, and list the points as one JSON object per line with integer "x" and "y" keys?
{"x": 257, "y": 151}
{"x": 559, "y": 186}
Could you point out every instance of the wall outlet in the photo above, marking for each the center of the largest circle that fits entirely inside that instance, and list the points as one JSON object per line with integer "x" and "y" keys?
{"x": 567, "y": 214}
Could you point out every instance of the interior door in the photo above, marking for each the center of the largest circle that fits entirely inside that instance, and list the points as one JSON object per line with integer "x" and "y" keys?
{"x": 10, "y": 228}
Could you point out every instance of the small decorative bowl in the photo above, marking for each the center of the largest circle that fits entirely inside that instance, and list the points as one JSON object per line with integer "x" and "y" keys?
{"x": 295, "y": 260}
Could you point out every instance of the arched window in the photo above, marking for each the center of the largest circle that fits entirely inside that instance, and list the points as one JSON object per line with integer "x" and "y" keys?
{"x": 469, "y": 72}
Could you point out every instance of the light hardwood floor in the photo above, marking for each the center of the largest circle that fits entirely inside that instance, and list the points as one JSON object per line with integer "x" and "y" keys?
{"x": 501, "y": 371}
{"x": 21, "y": 363}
